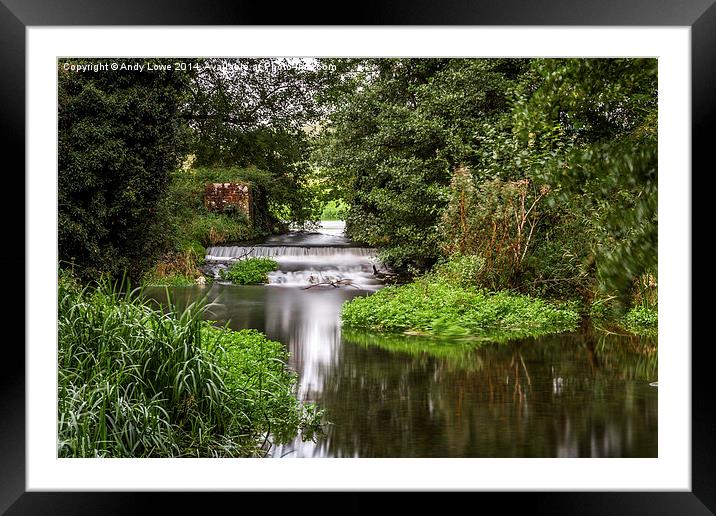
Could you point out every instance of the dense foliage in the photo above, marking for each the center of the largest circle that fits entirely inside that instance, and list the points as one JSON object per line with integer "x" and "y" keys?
{"x": 606, "y": 176}
{"x": 135, "y": 382}
{"x": 259, "y": 112}
{"x": 120, "y": 134}
{"x": 434, "y": 306}
{"x": 397, "y": 129}
{"x": 250, "y": 271}
{"x": 188, "y": 227}
{"x": 641, "y": 320}
{"x": 543, "y": 170}
{"x": 334, "y": 210}
{"x": 188, "y": 223}
{"x": 517, "y": 194}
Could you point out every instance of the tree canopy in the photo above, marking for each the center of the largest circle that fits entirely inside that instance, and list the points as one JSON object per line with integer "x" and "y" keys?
{"x": 397, "y": 129}
{"x": 120, "y": 134}
{"x": 561, "y": 154}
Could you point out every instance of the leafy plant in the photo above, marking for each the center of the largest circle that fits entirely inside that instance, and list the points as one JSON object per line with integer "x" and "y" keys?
{"x": 495, "y": 221}
{"x": 120, "y": 134}
{"x": 607, "y": 175}
{"x": 334, "y": 210}
{"x": 433, "y": 306}
{"x": 641, "y": 320}
{"x": 134, "y": 381}
{"x": 250, "y": 271}
{"x": 397, "y": 128}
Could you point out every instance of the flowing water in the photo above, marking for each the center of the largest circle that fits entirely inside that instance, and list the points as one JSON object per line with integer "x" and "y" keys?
{"x": 576, "y": 395}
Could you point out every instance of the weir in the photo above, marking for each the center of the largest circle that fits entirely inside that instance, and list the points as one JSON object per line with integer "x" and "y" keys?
{"x": 307, "y": 259}
{"x": 220, "y": 253}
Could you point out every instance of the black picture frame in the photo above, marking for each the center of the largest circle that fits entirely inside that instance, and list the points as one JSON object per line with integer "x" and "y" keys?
{"x": 17, "y": 15}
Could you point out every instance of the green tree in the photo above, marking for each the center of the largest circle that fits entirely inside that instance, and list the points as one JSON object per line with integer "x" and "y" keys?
{"x": 262, "y": 113}
{"x": 120, "y": 134}
{"x": 561, "y": 198}
{"x": 397, "y": 129}
{"x": 607, "y": 175}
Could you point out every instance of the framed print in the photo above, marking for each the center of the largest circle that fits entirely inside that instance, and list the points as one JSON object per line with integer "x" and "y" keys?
{"x": 496, "y": 168}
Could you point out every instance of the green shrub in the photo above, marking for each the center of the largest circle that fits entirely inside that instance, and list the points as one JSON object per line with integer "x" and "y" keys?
{"x": 209, "y": 229}
{"x": 120, "y": 134}
{"x": 252, "y": 376}
{"x": 134, "y": 381}
{"x": 187, "y": 224}
{"x": 642, "y": 320}
{"x": 434, "y": 306}
{"x": 250, "y": 271}
{"x": 463, "y": 270}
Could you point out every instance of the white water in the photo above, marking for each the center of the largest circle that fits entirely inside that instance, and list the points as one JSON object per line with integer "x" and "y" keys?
{"x": 224, "y": 253}
{"x": 317, "y": 259}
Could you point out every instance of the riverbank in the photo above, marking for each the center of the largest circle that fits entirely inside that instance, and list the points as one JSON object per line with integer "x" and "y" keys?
{"x": 572, "y": 394}
{"x": 138, "y": 382}
{"x": 188, "y": 228}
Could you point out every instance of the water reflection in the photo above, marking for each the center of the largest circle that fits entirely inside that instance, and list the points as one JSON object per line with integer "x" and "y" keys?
{"x": 398, "y": 396}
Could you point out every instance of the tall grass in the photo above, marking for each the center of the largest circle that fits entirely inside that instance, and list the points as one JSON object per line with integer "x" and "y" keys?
{"x": 179, "y": 269}
{"x": 134, "y": 381}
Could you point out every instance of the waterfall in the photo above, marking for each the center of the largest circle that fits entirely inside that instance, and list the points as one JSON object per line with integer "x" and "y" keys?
{"x": 307, "y": 266}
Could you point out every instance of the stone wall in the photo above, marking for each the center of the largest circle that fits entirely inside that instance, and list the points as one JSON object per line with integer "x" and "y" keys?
{"x": 223, "y": 197}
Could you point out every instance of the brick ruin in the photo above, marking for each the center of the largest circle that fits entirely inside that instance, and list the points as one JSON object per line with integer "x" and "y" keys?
{"x": 224, "y": 197}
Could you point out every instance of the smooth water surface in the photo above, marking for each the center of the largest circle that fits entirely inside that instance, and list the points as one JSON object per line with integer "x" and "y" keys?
{"x": 575, "y": 395}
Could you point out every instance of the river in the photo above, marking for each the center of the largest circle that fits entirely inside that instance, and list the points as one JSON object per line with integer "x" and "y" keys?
{"x": 569, "y": 395}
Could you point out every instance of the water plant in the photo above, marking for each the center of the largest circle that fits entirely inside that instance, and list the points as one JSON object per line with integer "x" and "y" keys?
{"x": 250, "y": 271}
{"x": 134, "y": 381}
{"x": 433, "y": 306}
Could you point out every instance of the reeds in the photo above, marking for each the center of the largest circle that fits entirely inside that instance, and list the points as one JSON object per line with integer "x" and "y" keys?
{"x": 134, "y": 381}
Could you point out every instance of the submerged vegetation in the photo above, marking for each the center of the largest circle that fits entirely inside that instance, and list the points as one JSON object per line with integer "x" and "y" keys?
{"x": 250, "y": 271}
{"x": 136, "y": 382}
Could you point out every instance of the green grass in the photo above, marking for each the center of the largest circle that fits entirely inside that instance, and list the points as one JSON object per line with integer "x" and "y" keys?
{"x": 209, "y": 228}
{"x": 137, "y": 382}
{"x": 250, "y": 271}
{"x": 432, "y": 306}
